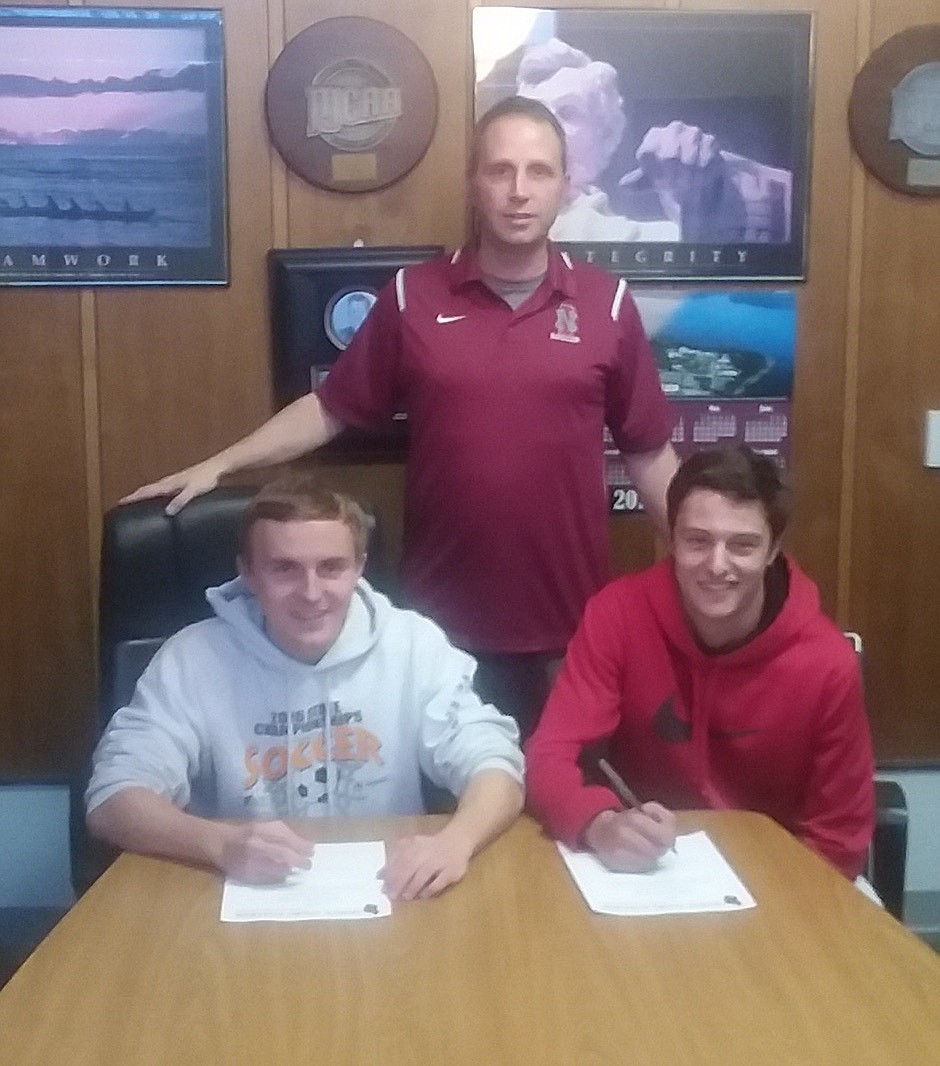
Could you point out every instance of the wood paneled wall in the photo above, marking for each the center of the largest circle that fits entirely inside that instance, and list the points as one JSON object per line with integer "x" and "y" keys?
{"x": 103, "y": 389}
{"x": 893, "y": 564}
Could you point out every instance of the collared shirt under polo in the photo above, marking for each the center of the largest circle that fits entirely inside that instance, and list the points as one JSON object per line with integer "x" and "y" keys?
{"x": 506, "y": 517}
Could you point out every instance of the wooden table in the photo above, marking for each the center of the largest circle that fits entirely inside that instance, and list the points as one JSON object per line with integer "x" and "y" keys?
{"x": 509, "y": 967}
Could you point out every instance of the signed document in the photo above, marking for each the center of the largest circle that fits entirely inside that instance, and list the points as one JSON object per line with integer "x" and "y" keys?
{"x": 342, "y": 882}
{"x": 694, "y": 879}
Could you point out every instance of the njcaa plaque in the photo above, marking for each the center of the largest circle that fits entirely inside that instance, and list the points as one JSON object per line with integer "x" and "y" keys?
{"x": 894, "y": 111}
{"x": 351, "y": 104}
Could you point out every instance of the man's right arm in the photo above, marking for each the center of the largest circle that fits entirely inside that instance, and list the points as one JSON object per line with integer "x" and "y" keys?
{"x": 631, "y": 841}
{"x": 144, "y": 766}
{"x": 300, "y": 427}
{"x": 361, "y": 389}
{"x": 136, "y": 819}
{"x": 582, "y": 710}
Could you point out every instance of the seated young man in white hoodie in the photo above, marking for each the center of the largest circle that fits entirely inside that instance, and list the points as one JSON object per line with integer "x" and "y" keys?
{"x": 308, "y": 694}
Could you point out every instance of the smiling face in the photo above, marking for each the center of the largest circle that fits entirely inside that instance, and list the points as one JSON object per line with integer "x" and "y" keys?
{"x": 303, "y": 574}
{"x": 721, "y": 547}
{"x": 518, "y": 183}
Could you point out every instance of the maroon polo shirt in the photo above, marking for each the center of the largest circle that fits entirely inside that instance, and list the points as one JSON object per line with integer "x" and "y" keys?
{"x": 505, "y": 507}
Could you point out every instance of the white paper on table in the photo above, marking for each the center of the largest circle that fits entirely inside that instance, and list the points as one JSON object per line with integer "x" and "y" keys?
{"x": 342, "y": 882}
{"x": 695, "y": 879}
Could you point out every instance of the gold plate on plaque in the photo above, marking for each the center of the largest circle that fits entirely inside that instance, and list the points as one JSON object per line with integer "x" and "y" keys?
{"x": 894, "y": 111}
{"x": 351, "y": 104}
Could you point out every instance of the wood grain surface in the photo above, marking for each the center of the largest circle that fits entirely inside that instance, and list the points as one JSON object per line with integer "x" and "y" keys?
{"x": 508, "y": 967}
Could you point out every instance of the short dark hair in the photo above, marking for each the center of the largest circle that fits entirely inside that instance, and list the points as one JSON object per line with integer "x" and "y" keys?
{"x": 302, "y": 497}
{"x": 516, "y": 105}
{"x": 736, "y": 471}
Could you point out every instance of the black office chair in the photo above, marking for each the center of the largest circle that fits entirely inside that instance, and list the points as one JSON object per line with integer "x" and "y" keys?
{"x": 887, "y": 864}
{"x": 154, "y": 573}
{"x": 888, "y": 860}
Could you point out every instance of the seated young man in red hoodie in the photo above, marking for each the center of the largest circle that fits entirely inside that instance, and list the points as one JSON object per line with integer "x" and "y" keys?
{"x": 717, "y": 682}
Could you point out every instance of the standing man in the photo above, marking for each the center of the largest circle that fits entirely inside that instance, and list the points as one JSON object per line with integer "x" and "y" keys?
{"x": 717, "y": 682}
{"x": 508, "y": 359}
{"x": 307, "y": 694}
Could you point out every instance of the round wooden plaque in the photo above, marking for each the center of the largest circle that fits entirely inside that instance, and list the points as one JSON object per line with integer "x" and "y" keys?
{"x": 351, "y": 104}
{"x": 894, "y": 117}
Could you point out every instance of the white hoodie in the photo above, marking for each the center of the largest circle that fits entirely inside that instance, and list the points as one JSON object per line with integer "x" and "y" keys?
{"x": 227, "y": 725}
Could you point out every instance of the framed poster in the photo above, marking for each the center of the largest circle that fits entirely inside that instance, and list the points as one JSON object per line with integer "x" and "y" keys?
{"x": 687, "y": 132}
{"x": 112, "y": 147}
{"x": 319, "y": 297}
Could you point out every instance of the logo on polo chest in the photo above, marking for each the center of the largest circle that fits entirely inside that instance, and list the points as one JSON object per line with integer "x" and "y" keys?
{"x": 566, "y": 324}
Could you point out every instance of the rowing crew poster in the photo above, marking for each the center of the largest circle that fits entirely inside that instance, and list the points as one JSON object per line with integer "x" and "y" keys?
{"x": 112, "y": 147}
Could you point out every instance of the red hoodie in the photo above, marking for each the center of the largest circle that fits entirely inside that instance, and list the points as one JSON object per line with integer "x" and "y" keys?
{"x": 776, "y": 726}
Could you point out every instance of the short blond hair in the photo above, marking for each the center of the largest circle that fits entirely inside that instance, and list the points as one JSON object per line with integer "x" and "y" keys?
{"x": 304, "y": 498}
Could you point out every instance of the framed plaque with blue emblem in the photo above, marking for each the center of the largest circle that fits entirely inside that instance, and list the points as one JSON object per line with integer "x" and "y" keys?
{"x": 319, "y": 298}
{"x": 894, "y": 111}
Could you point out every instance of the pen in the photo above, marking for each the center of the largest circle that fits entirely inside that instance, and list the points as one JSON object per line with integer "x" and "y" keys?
{"x": 622, "y": 789}
{"x": 618, "y": 784}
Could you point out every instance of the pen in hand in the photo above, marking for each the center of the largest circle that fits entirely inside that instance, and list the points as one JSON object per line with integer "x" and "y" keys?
{"x": 624, "y": 792}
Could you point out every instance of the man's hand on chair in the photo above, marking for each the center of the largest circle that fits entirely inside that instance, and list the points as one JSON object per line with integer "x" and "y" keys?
{"x": 183, "y": 486}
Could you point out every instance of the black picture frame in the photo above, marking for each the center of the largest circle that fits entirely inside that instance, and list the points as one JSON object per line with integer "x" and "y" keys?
{"x": 113, "y": 147}
{"x": 743, "y": 77}
{"x": 307, "y": 289}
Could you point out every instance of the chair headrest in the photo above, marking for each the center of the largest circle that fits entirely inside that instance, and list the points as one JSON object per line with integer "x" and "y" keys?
{"x": 155, "y": 568}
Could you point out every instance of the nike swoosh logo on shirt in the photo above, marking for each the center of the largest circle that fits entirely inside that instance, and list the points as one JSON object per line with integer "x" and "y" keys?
{"x": 444, "y": 319}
